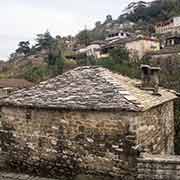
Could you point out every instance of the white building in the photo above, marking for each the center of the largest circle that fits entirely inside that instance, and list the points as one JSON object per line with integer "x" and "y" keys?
{"x": 91, "y": 50}
{"x": 170, "y": 26}
{"x": 117, "y": 35}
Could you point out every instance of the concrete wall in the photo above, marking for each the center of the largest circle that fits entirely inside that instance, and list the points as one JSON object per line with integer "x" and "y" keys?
{"x": 151, "y": 167}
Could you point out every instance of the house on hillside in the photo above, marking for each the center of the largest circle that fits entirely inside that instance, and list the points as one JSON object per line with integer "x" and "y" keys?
{"x": 169, "y": 52}
{"x": 138, "y": 46}
{"x": 117, "y": 35}
{"x": 172, "y": 41}
{"x": 87, "y": 120}
{"x": 92, "y": 50}
{"x": 7, "y": 86}
{"x": 170, "y": 26}
{"x": 142, "y": 45}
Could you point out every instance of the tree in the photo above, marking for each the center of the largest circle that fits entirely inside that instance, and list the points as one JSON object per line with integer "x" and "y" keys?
{"x": 84, "y": 37}
{"x": 44, "y": 41}
{"x": 120, "y": 55}
{"x": 56, "y": 59}
{"x": 23, "y": 47}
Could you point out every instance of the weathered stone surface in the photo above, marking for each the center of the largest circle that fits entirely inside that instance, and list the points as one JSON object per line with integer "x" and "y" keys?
{"x": 157, "y": 167}
{"x": 155, "y": 129}
{"x": 55, "y": 143}
{"x": 90, "y": 88}
{"x": 70, "y": 142}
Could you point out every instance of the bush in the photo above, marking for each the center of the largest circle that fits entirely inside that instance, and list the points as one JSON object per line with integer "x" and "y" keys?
{"x": 87, "y": 61}
{"x": 106, "y": 63}
{"x": 36, "y": 74}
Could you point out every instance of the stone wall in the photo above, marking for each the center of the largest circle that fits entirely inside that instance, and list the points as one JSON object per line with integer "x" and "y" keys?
{"x": 67, "y": 143}
{"x": 56, "y": 143}
{"x": 156, "y": 167}
{"x": 155, "y": 129}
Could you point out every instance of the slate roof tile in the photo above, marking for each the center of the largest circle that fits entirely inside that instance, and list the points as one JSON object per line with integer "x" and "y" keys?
{"x": 89, "y": 88}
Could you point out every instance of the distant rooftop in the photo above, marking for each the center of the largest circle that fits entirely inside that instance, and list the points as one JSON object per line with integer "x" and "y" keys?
{"x": 89, "y": 88}
{"x": 129, "y": 40}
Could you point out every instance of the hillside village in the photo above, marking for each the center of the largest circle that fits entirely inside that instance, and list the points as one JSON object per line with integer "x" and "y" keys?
{"x": 103, "y": 104}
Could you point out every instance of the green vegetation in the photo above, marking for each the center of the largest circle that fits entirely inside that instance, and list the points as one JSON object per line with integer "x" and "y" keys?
{"x": 55, "y": 61}
{"x": 36, "y": 74}
{"x": 47, "y": 58}
{"x": 44, "y": 41}
{"x": 85, "y": 37}
{"x": 119, "y": 61}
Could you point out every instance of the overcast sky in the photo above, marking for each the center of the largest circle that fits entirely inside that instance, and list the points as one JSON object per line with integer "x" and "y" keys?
{"x": 23, "y": 19}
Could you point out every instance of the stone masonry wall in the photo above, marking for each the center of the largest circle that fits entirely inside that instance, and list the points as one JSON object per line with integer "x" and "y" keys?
{"x": 155, "y": 129}
{"x": 67, "y": 143}
{"x": 61, "y": 143}
{"x": 156, "y": 167}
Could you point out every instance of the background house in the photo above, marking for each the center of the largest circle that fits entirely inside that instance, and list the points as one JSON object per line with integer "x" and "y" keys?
{"x": 117, "y": 35}
{"x": 170, "y": 26}
{"x": 143, "y": 45}
{"x": 92, "y": 50}
{"x": 137, "y": 47}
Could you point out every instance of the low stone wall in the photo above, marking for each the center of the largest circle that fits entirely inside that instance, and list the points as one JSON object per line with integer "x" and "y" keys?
{"x": 154, "y": 167}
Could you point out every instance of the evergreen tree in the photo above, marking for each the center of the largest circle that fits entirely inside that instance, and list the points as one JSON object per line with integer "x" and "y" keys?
{"x": 44, "y": 41}
{"x": 23, "y": 47}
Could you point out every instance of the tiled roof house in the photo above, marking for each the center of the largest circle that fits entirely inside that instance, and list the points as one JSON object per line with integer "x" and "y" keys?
{"x": 89, "y": 119}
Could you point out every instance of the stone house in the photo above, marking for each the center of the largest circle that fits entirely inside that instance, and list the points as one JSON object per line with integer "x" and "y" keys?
{"x": 88, "y": 120}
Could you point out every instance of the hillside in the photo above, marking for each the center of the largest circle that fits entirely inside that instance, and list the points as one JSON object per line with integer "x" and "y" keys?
{"x": 137, "y": 17}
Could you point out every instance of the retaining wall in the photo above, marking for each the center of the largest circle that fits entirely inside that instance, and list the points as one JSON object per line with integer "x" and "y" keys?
{"x": 158, "y": 167}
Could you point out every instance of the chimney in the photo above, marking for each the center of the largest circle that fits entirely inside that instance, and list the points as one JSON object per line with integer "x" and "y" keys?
{"x": 145, "y": 76}
{"x": 150, "y": 78}
{"x": 155, "y": 79}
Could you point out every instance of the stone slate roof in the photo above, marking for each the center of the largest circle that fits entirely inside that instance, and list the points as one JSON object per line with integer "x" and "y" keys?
{"x": 89, "y": 88}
